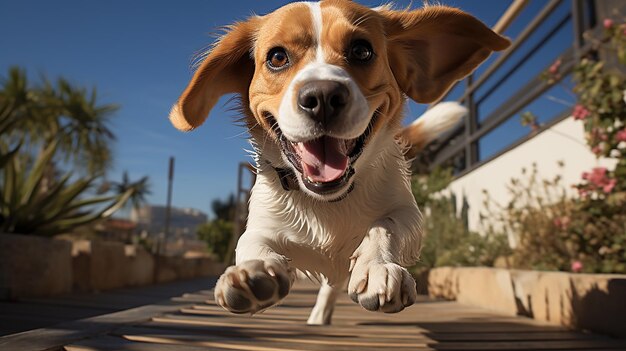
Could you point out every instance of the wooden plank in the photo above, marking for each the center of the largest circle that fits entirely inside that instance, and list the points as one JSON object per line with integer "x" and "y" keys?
{"x": 366, "y": 332}
{"x": 535, "y": 336}
{"x": 272, "y": 325}
{"x": 7, "y": 310}
{"x": 532, "y": 345}
{"x": 111, "y": 343}
{"x": 265, "y": 341}
{"x": 290, "y": 329}
{"x": 50, "y": 311}
{"x": 278, "y": 314}
{"x": 65, "y": 333}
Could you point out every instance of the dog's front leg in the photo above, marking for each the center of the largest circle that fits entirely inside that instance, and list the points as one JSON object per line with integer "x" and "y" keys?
{"x": 260, "y": 279}
{"x": 378, "y": 282}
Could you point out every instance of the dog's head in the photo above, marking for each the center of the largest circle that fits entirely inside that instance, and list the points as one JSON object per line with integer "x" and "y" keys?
{"x": 320, "y": 79}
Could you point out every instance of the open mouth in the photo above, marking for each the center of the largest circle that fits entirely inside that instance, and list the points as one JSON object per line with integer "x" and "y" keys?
{"x": 325, "y": 163}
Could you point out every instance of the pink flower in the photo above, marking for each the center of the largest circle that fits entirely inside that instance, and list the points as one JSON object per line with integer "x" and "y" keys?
{"x": 577, "y": 266}
{"x": 608, "y": 187}
{"x": 562, "y": 222}
{"x": 598, "y": 176}
{"x": 621, "y": 135}
{"x": 580, "y": 112}
{"x": 608, "y": 23}
{"x": 554, "y": 68}
{"x": 597, "y": 180}
{"x": 596, "y": 150}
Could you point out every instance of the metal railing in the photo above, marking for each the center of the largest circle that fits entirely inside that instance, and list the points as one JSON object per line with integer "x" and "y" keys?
{"x": 460, "y": 148}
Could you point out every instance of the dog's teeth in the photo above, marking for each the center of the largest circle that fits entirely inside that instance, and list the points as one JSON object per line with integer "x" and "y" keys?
{"x": 310, "y": 180}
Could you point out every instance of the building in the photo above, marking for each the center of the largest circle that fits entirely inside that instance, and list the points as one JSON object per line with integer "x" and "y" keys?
{"x": 492, "y": 147}
{"x": 183, "y": 221}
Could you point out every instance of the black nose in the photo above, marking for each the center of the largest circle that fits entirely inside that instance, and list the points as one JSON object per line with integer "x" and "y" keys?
{"x": 322, "y": 100}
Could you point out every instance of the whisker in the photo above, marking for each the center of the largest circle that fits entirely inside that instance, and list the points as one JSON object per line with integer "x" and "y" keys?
{"x": 359, "y": 21}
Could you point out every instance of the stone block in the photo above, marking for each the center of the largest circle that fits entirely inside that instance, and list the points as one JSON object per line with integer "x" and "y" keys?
{"x": 487, "y": 288}
{"x": 443, "y": 283}
{"x": 167, "y": 268}
{"x": 594, "y": 302}
{"x": 33, "y": 266}
{"x": 141, "y": 266}
{"x": 100, "y": 265}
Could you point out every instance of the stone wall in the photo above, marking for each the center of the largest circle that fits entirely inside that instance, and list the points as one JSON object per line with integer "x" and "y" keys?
{"x": 595, "y": 302}
{"x": 36, "y": 266}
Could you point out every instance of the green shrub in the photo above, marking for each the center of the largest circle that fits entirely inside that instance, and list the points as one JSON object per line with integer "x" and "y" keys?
{"x": 27, "y": 208}
{"x": 217, "y": 235}
{"x": 447, "y": 241}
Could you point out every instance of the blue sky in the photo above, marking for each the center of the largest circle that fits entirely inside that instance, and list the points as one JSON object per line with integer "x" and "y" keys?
{"x": 138, "y": 53}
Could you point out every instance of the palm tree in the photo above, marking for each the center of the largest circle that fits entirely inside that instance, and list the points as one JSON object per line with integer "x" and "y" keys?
{"x": 55, "y": 122}
{"x": 60, "y": 112}
{"x": 140, "y": 189}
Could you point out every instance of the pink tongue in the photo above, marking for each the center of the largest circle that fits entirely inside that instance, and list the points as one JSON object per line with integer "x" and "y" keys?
{"x": 323, "y": 159}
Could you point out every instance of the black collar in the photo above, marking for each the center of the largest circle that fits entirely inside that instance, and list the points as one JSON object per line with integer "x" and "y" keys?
{"x": 287, "y": 178}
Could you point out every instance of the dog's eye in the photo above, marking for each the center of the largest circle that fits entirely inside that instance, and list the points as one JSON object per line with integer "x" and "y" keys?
{"x": 277, "y": 58}
{"x": 360, "y": 51}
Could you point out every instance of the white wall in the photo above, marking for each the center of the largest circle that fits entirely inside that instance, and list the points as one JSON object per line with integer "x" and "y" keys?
{"x": 563, "y": 142}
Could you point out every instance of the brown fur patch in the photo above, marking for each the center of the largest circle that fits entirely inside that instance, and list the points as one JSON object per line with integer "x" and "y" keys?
{"x": 345, "y": 22}
{"x": 419, "y": 53}
{"x": 289, "y": 27}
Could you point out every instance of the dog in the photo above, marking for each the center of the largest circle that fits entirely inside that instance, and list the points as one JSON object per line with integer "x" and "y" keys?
{"x": 322, "y": 87}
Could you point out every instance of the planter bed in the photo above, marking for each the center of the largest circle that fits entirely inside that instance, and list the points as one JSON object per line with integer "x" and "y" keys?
{"x": 595, "y": 302}
{"x": 34, "y": 266}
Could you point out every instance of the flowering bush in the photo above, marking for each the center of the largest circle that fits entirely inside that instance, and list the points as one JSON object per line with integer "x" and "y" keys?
{"x": 601, "y": 92}
{"x": 536, "y": 219}
{"x": 597, "y": 181}
{"x": 598, "y": 224}
{"x": 551, "y": 231}
{"x": 588, "y": 233}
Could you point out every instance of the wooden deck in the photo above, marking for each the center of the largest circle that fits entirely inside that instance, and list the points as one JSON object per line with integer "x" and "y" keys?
{"x": 193, "y": 322}
{"x": 33, "y": 313}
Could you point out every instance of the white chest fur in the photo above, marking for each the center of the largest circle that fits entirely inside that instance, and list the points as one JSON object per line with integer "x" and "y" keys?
{"x": 319, "y": 237}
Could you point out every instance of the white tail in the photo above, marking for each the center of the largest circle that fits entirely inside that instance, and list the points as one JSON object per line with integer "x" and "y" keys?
{"x": 434, "y": 122}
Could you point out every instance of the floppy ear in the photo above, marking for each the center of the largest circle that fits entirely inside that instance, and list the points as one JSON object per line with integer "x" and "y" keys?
{"x": 227, "y": 68}
{"x": 431, "y": 48}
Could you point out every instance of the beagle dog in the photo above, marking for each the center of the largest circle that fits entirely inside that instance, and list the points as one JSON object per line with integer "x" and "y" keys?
{"x": 322, "y": 87}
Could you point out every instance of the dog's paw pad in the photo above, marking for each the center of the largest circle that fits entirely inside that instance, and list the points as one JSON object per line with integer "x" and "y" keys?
{"x": 385, "y": 287}
{"x": 262, "y": 286}
{"x": 237, "y": 301}
{"x": 252, "y": 286}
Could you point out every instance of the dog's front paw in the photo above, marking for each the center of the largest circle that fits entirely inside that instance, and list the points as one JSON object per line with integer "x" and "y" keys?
{"x": 381, "y": 286}
{"x": 252, "y": 286}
